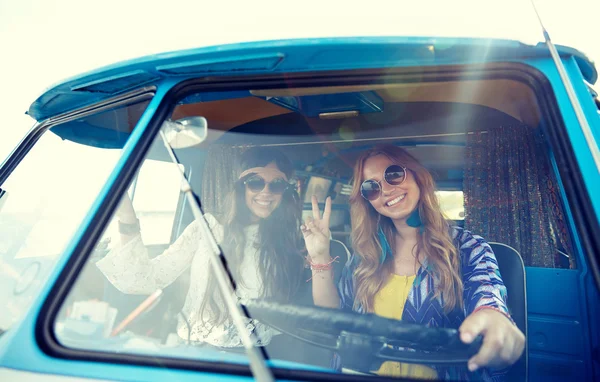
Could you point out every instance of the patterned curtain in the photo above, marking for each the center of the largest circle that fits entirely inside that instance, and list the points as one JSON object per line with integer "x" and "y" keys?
{"x": 511, "y": 195}
{"x": 220, "y": 173}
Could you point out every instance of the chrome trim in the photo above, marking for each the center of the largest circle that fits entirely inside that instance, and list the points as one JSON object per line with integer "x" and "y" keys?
{"x": 141, "y": 94}
{"x": 20, "y": 150}
{"x": 39, "y": 128}
{"x": 585, "y": 127}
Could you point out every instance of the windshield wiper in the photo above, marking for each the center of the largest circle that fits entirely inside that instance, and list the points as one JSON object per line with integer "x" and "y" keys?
{"x": 258, "y": 365}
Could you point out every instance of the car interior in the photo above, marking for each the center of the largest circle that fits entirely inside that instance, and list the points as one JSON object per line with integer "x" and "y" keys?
{"x": 480, "y": 138}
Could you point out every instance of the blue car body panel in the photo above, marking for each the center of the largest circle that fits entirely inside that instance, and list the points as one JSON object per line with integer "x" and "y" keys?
{"x": 287, "y": 56}
{"x": 562, "y": 333}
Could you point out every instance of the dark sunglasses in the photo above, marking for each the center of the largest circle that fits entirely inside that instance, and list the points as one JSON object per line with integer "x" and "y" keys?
{"x": 257, "y": 184}
{"x": 394, "y": 175}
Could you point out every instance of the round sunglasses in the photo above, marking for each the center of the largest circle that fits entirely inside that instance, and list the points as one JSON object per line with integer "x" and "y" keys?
{"x": 394, "y": 175}
{"x": 257, "y": 184}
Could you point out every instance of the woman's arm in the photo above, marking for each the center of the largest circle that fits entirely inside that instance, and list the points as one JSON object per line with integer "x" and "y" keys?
{"x": 127, "y": 218}
{"x": 485, "y": 307}
{"x": 483, "y": 286}
{"x": 130, "y": 270}
{"x": 324, "y": 290}
{"x": 317, "y": 238}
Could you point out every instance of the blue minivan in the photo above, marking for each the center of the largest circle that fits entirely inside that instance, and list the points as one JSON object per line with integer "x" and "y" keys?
{"x": 509, "y": 131}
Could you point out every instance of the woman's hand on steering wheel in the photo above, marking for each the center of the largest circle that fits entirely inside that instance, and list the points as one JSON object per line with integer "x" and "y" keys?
{"x": 316, "y": 231}
{"x": 503, "y": 342}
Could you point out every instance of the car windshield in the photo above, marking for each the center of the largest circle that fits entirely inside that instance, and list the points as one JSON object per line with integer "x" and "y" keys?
{"x": 43, "y": 203}
{"x": 270, "y": 159}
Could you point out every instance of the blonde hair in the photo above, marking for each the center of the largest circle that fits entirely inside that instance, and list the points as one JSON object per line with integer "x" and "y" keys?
{"x": 433, "y": 241}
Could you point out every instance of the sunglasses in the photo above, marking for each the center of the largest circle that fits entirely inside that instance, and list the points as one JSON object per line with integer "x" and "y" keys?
{"x": 394, "y": 175}
{"x": 257, "y": 184}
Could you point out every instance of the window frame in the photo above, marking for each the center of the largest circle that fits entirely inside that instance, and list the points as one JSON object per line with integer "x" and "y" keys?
{"x": 585, "y": 225}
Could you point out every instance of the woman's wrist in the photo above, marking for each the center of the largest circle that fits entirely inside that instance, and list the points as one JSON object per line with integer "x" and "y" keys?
{"x": 128, "y": 227}
{"x": 493, "y": 308}
{"x": 127, "y": 218}
{"x": 320, "y": 267}
{"x": 319, "y": 259}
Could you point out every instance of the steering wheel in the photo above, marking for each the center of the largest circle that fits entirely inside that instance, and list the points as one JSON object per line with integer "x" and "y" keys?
{"x": 364, "y": 341}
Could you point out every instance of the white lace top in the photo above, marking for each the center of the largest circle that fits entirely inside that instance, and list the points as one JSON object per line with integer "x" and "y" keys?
{"x": 130, "y": 270}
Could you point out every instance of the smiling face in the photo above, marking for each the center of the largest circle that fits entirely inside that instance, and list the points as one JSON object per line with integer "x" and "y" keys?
{"x": 262, "y": 203}
{"x": 395, "y": 202}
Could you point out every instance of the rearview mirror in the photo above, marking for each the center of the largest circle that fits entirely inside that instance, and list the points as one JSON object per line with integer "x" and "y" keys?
{"x": 185, "y": 132}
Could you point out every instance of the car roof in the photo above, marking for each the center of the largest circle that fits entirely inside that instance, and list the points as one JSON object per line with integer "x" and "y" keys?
{"x": 278, "y": 56}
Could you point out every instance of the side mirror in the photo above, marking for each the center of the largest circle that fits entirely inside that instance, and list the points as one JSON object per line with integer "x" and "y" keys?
{"x": 185, "y": 132}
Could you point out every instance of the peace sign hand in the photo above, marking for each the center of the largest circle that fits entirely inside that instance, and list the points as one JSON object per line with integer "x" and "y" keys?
{"x": 316, "y": 232}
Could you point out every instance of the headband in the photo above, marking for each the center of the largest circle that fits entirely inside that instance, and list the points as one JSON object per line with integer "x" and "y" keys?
{"x": 267, "y": 173}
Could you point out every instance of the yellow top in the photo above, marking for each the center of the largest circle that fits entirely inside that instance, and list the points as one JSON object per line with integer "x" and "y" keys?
{"x": 389, "y": 303}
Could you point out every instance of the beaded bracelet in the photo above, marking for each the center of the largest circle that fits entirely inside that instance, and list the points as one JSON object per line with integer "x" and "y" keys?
{"x": 320, "y": 267}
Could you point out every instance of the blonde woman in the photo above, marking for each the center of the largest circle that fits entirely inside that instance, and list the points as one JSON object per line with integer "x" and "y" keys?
{"x": 410, "y": 264}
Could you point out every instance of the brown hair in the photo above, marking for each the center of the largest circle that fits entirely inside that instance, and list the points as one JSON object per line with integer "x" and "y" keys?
{"x": 433, "y": 241}
{"x": 279, "y": 240}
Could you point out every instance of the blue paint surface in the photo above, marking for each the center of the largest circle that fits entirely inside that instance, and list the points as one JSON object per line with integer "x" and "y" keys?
{"x": 286, "y": 56}
{"x": 557, "y": 298}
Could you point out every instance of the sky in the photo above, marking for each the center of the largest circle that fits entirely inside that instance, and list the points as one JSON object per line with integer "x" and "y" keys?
{"x": 45, "y": 42}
